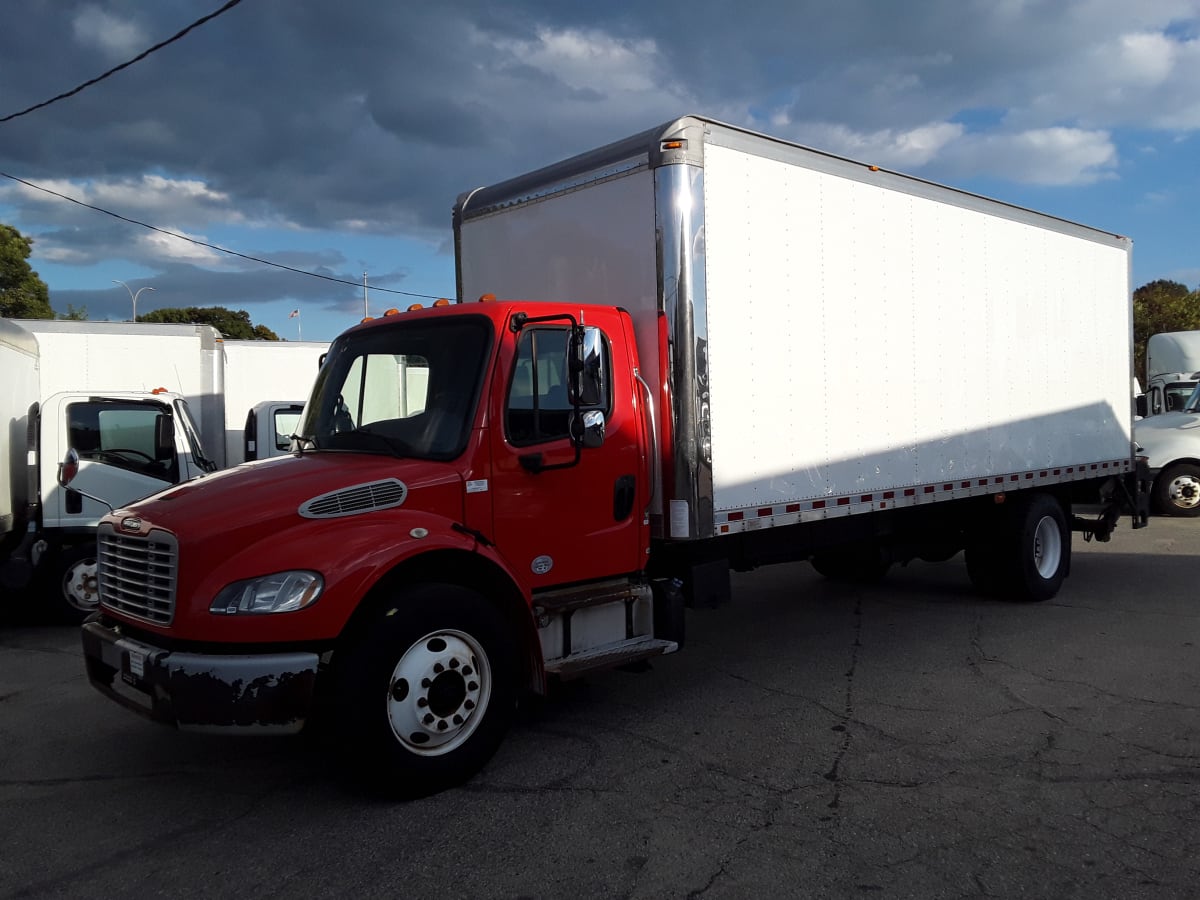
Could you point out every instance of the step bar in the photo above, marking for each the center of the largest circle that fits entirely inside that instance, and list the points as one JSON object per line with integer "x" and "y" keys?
{"x": 609, "y": 656}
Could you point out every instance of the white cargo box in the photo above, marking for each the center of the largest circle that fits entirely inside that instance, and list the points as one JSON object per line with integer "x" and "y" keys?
{"x": 840, "y": 338}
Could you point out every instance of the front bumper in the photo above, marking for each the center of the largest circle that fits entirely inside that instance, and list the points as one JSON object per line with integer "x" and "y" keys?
{"x": 262, "y": 693}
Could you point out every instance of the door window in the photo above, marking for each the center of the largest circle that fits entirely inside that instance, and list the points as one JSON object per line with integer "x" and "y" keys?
{"x": 539, "y": 408}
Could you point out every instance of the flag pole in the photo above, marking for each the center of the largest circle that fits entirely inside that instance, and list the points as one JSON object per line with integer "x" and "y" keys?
{"x": 295, "y": 314}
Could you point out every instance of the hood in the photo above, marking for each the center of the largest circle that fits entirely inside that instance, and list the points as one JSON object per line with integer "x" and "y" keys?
{"x": 1169, "y": 421}
{"x": 270, "y": 496}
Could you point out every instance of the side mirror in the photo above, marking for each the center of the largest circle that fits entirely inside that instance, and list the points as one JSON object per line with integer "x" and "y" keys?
{"x": 164, "y": 438}
{"x": 585, "y": 367}
{"x": 68, "y": 468}
{"x": 588, "y": 429}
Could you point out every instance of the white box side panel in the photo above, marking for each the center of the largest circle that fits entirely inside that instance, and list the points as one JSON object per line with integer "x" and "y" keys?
{"x": 863, "y": 338}
{"x": 120, "y": 362}
{"x": 593, "y": 246}
{"x": 18, "y": 391}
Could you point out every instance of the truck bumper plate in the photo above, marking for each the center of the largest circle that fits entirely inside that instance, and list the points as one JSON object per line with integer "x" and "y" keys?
{"x": 265, "y": 693}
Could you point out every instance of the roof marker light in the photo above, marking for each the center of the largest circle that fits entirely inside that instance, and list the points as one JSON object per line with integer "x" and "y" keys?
{"x": 487, "y": 298}
{"x": 441, "y": 301}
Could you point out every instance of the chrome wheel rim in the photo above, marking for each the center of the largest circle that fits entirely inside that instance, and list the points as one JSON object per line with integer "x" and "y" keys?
{"x": 439, "y": 692}
{"x": 80, "y": 585}
{"x": 1047, "y": 547}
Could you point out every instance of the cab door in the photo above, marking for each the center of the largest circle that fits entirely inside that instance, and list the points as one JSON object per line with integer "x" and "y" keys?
{"x": 564, "y": 514}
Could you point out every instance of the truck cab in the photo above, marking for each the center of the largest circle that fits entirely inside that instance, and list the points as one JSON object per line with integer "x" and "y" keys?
{"x": 467, "y": 494}
{"x": 269, "y": 427}
{"x": 1171, "y": 444}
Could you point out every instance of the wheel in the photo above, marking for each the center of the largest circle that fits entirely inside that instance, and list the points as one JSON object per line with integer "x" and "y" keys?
{"x": 1176, "y": 490}
{"x": 67, "y": 584}
{"x": 862, "y": 564}
{"x": 1025, "y": 554}
{"x": 425, "y": 695}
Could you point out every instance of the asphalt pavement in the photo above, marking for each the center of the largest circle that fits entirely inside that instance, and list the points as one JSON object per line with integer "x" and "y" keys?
{"x": 813, "y": 739}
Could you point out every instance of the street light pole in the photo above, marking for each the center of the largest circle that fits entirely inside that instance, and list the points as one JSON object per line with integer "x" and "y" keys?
{"x": 132, "y": 295}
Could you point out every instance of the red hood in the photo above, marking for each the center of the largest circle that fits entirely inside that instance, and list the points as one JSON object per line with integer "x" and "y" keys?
{"x": 246, "y": 522}
{"x": 269, "y": 494}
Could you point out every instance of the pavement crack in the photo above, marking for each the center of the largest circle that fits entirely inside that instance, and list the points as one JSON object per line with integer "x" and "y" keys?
{"x": 847, "y": 714}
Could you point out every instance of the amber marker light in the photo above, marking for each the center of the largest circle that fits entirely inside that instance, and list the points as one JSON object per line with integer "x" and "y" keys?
{"x": 487, "y": 298}
{"x": 441, "y": 301}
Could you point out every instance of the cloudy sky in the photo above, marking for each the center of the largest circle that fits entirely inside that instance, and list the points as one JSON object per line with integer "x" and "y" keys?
{"x": 333, "y": 138}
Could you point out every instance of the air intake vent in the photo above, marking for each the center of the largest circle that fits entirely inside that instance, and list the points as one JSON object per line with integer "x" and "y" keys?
{"x": 360, "y": 498}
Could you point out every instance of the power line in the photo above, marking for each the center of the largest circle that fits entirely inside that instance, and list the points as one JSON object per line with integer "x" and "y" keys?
{"x": 200, "y": 243}
{"x": 183, "y": 237}
{"x": 212, "y": 15}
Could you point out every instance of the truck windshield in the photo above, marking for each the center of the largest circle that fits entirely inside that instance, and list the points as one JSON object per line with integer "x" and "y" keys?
{"x": 1178, "y": 394}
{"x": 1192, "y": 404}
{"x": 408, "y": 389}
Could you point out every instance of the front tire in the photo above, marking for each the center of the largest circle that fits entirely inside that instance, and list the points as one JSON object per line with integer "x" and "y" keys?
{"x": 1177, "y": 491}
{"x": 426, "y": 693}
{"x": 66, "y": 585}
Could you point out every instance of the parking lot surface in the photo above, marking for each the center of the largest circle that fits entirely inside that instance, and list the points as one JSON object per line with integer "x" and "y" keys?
{"x": 813, "y": 739}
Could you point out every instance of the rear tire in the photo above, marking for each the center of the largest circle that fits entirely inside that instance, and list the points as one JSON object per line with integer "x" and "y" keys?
{"x": 1024, "y": 555}
{"x": 1176, "y": 491}
{"x": 426, "y": 693}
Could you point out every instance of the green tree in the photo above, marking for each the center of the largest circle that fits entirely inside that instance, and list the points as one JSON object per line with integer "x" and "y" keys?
{"x": 234, "y": 324}
{"x": 23, "y": 295}
{"x": 1161, "y": 306}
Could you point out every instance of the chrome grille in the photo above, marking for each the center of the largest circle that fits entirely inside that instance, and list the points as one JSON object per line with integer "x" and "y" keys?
{"x": 137, "y": 574}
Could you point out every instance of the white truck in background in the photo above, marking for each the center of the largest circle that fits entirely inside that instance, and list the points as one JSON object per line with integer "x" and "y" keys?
{"x": 131, "y": 443}
{"x": 257, "y": 426}
{"x": 101, "y": 387}
{"x": 138, "y": 356}
{"x": 1171, "y": 444}
{"x": 1172, "y": 370}
{"x": 224, "y": 381}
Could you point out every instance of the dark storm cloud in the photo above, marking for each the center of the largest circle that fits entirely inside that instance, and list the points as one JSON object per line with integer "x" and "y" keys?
{"x": 371, "y": 117}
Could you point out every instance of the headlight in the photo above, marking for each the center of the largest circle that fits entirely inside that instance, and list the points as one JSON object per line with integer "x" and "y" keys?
{"x": 278, "y": 593}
